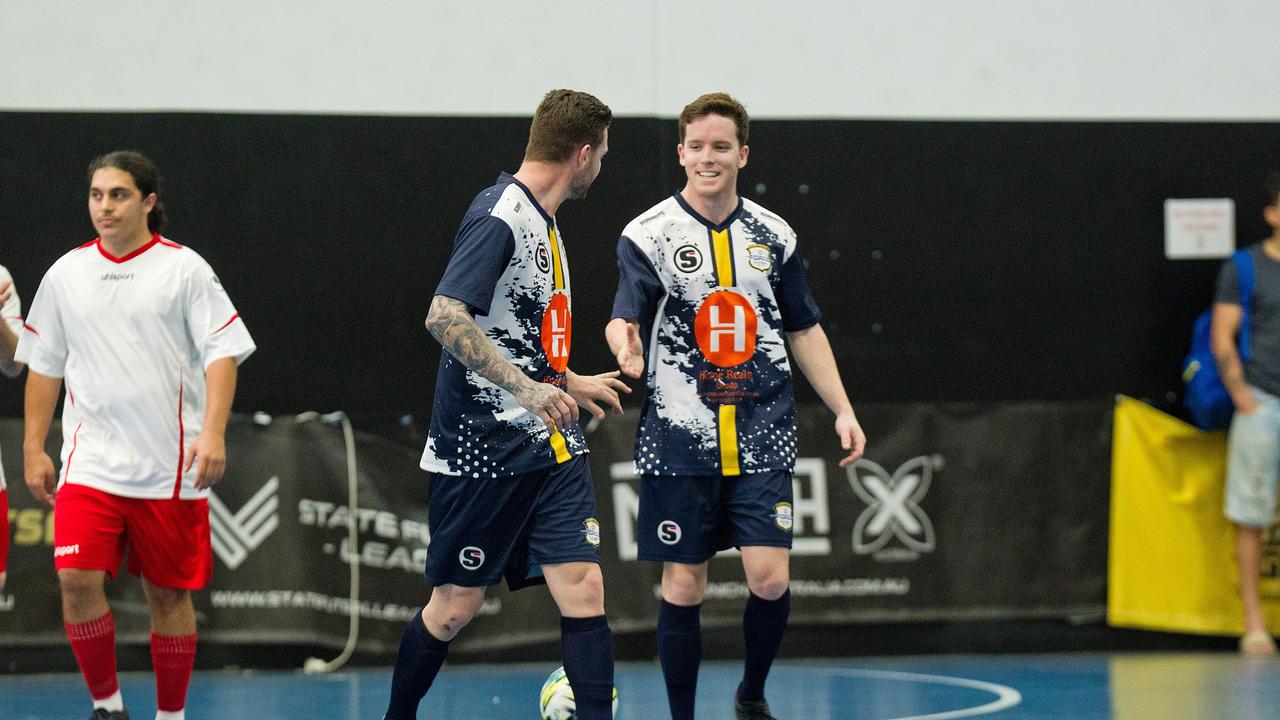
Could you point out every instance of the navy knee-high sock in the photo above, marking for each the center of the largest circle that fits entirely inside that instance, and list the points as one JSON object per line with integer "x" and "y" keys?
{"x": 763, "y": 624}
{"x": 680, "y": 651}
{"x": 417, "y": 664}
{"x": 586, "y": 645}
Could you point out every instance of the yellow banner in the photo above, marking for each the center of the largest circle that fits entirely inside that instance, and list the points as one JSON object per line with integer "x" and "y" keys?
{"x": 1172, "y": 551}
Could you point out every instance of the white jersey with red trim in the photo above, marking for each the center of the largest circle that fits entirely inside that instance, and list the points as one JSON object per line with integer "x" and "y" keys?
{"x": 131, "y": 337}
{"x": 11, "y": 315}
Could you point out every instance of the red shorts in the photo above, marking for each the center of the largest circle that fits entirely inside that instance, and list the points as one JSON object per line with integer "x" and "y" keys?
{"x": 4, "y": 528}
{"x": 168, "y": 540}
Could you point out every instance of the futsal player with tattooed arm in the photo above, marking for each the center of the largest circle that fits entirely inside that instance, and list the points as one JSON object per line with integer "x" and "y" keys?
{"x": 711, "y": 286}
{"x": 146, "y": 342}
{"x": 10, "y": 326}
{"x": 510, "y": 487}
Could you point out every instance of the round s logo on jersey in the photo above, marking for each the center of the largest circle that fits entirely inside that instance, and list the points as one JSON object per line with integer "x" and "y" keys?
{"x": 688, "y": 258}
{"x": 557, "y": 331}
{"x": 669, "y": 532}
{"x": 471, "y": 557}
{"x": 725, "y": 328}
{"x": 542, "y": 258}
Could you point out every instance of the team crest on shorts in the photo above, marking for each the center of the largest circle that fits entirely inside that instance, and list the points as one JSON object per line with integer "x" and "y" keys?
{"x": 591, "y": 531}
{"x": 783, "y": 516}
{"x": 760, "y": 257}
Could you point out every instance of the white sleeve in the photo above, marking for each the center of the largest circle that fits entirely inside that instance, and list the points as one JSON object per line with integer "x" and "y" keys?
{"x": 215, "y": 327}
{"x": 42, "y": 344}
{"x": 11, "y": 313}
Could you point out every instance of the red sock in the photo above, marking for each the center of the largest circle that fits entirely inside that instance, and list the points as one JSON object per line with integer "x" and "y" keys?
{"x": 94, "y": 645}
{"x": 172, "y": 656}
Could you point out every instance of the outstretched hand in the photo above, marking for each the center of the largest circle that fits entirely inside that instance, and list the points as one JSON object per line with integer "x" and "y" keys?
{"x": 6, "y": 291}
{"x": 588, "y": 390}
{"x": 852, "y": 439}
{"x": 631, "y": 355}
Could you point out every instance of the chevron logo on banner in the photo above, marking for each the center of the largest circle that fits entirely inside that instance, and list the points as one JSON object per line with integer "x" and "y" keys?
{"x": 237, "y": 535}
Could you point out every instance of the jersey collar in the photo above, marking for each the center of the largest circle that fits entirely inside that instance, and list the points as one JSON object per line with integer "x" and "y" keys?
{"x": 508, "y": 177}
{"x": 689, "y": 209}
{"x": 155, "y": 240}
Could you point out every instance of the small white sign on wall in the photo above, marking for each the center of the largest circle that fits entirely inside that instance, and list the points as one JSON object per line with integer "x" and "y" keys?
{"x": 1200, "y": 228}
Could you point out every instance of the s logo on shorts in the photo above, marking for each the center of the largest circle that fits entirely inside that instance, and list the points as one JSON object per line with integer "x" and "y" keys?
{"x": 591, "y": 531}
{"x": 471, "y": 557}
{"x": 783, "y": 516}
{"x": 669, "y": 532}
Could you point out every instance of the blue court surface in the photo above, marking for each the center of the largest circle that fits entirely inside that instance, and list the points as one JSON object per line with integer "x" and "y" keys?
{"x": 1078, "y": 686}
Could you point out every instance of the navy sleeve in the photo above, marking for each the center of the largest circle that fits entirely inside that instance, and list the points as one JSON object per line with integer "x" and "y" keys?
{"x": 799, "y": 309}
{"x": 639, "y": 287}
{"x": 481, "y": 252}
{"x": 1228, "y": 286}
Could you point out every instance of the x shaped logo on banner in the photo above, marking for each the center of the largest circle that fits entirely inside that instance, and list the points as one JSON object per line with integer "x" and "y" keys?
{"x": 893, "y": 504}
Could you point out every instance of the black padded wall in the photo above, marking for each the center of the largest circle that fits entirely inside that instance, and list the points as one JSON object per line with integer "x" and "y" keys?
{"x": 978, "y": 261}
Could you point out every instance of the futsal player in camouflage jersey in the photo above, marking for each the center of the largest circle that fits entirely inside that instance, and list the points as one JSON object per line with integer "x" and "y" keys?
{"x": 711, "y": 293}
{"x": 511, "y": 492}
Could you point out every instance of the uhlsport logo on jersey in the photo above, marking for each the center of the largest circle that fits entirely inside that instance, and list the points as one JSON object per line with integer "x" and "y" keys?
{"x": 235, "y": 535}
{"x": 893, "y": 508}
{"x": 471, "y": 557}
{"x": 591, "y": 531}
{"x": 669, "y": 532}
{"x": 688, "y": 258}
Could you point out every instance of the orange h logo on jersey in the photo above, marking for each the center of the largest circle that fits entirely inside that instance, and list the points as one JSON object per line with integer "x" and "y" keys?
{"x": 557, "y": 332}
{"x": 725, "y": 328}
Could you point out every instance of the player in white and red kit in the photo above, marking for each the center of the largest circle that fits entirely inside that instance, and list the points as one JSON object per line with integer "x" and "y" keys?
{"x": 10, "y": 326}
{"x": 147, "y": 343}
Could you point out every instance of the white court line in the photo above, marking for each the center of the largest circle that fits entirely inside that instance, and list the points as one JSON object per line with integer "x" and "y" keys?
{"x": 1006, "y": 697}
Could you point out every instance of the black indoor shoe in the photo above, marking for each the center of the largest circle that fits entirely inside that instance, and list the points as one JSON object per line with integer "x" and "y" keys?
{"x": 105, "y": 714}
{"x": 751, "y": 710}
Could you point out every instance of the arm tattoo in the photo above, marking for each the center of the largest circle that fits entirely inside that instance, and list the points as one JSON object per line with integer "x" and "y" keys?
{"x": 451, "y": 323}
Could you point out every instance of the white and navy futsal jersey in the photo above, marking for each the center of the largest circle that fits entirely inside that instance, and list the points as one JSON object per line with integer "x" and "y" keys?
{"x": 131, "y": 337}
{"x": 508, "y": 266}
{"x": 713, "y": 302}
{"x": 11, "y": 315}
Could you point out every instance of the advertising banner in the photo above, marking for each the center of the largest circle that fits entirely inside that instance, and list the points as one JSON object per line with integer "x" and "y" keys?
{"x": 956, "y": 512}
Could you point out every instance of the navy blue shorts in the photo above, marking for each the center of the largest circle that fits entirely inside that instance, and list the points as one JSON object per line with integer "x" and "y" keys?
{"x": 485, "y": 529}
{"x": 690, "y": 519}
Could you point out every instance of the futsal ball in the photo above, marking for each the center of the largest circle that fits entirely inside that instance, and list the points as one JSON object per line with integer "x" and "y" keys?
{"x": 555, "y": 701}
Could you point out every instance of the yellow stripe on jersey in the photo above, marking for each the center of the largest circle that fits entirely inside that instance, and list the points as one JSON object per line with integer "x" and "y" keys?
{"x": 724, "y": 257}
{"x": 557, "y": 444}
{"x": 555, "y": 259}
{"x": 729, "y": 440}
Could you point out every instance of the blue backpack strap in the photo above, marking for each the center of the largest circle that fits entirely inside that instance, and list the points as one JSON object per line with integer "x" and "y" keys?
{"x": 1244, "y": 278}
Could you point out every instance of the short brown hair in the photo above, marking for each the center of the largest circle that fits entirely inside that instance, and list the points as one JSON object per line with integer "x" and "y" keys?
{"x": 565, "y": 121}
{"x": 716, "y": 103}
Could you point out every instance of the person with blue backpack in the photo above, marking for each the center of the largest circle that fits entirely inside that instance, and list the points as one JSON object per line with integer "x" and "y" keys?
{"x": 1246, "y": 348}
